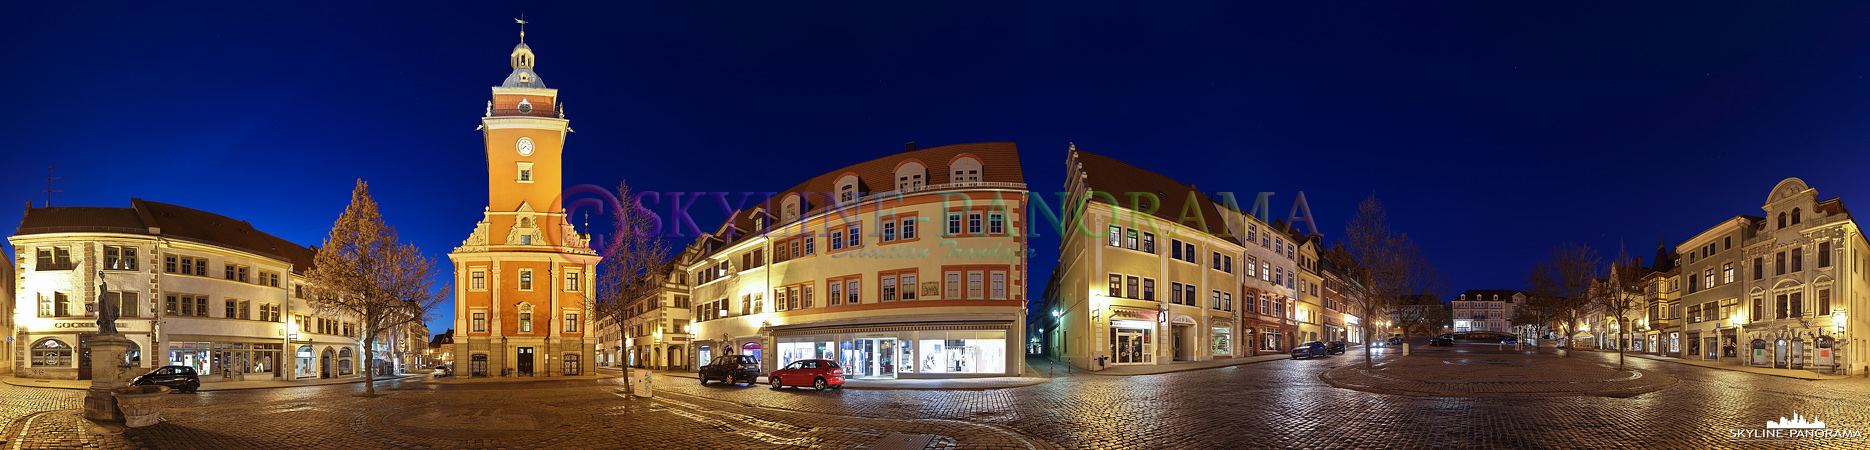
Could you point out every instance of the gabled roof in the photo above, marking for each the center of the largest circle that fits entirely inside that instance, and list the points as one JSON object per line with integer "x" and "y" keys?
{"x": 1118, "y": 178}
{"x": 149, "y": 218}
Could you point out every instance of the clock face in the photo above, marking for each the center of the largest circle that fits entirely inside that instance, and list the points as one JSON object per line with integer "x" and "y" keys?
{"x": 524, "y": 146}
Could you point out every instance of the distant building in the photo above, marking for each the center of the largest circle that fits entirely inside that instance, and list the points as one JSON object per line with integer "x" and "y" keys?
{"x": 440, "y": 348}
{"x": 1487, "y": 310}
{"x": 7, "y": 282}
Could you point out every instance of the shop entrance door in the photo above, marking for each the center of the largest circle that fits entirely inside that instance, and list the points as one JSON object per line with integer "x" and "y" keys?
{"x": 1131, "y": 346}
{"x": 876, "y": 358}
{"x": 84, "y": 357}
{"x": 524, "y": 363}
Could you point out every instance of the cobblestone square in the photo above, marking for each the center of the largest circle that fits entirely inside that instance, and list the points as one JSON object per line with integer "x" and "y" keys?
{"x": 1272, "y": 404}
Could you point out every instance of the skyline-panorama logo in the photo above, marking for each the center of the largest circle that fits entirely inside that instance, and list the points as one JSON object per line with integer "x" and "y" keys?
{"x": 1795, "y": 429}
{"x": 1796, "y": 422}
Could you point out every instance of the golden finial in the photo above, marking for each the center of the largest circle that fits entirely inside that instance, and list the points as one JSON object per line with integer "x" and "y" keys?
{"x": 522, "y": 28}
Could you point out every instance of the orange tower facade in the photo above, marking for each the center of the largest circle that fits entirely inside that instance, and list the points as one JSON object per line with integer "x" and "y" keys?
{"x": 524, "y": 276}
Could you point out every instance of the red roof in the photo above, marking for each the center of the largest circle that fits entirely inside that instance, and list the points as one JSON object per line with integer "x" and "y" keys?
{"x": 1119, "y": 179}
{"x": 172, "y": 221}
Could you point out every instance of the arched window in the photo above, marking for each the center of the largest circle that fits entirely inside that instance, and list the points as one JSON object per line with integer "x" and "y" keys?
{"x": 848, "y": 191}
{"x": 1795, "y": 216}
{"x": 789, "y": 209}
{"x": 910, "y": 176}
{"x": 344, "y": 361}
{"x": 51, "y": 352}
{"x": 1782, "y": 220}
{"x": 964, "y": 169}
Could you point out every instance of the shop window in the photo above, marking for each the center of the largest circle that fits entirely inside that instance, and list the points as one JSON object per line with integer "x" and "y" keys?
{"x": 345, "y": 364}
{"x": 51, "y": 352}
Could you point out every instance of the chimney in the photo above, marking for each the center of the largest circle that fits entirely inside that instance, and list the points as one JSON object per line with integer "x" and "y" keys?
{"x": 909, "y": 146}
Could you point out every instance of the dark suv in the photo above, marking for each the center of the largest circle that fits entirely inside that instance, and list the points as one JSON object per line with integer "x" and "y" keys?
{"x": 732, "y": 369}
{"x": 179, "y": 378}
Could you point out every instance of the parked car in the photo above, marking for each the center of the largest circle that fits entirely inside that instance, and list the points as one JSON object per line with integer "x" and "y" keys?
{"x": 1510, "y": 340}
{"x": 1313, "y": 349}
{"x": 732, "y": 369}
{"x": 443, "y": 370}
{"x": 1441, "y": 341}
{"x": 1395, "y": 340}
{"x": 178, "y": 378}
{"x": 817, "y": 373}
{"x": 1335, "y": 348}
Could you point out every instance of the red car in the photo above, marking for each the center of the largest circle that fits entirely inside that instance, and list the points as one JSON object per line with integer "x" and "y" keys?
{"x": 817, "y": 373}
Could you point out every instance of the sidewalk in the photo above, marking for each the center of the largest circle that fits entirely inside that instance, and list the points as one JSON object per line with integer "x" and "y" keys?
{"x": 1183, "y": 366}
{"x": 206, "y": 384}
{"x": 1788, "y": 373}
{"x": 942, "y": 384}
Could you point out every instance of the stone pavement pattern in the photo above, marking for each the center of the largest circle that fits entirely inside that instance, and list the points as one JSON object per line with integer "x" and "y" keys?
{"x": 1277, "y": 404}
{"x": 1496, "y": 374}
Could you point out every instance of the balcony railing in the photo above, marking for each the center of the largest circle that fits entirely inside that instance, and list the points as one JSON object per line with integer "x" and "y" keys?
{"x": 533, "y": 112}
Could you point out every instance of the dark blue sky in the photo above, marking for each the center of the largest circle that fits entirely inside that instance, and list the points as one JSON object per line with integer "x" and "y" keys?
{"x": 1492, "y": 131}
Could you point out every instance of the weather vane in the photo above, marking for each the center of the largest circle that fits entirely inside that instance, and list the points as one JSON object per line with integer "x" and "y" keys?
{"x": 522, "y": 28}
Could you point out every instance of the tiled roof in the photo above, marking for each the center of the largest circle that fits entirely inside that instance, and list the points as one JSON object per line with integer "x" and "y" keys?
{"x": 1506, "y": 295}
{"x": 1106, "y": 174}
{"x": 999, "y": 164}
{"x": 172, "y": 221}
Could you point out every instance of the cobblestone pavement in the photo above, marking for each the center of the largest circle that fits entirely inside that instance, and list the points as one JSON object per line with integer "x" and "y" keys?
{"x": 1278, "y": 404}
{"x": 1483, "y": 372}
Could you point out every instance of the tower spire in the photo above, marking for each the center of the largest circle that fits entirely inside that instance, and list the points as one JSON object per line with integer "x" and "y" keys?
{"x": 522, "y": 28}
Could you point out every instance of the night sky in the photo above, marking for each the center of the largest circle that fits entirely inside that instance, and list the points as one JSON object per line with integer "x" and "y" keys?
{"x": 1492, "y": 131}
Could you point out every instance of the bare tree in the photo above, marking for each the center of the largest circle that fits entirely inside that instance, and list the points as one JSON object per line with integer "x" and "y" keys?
{"x": 1381, "y": 266}
{"x": 1560, "y": 287}
{"x": 1420, "y": 314}
{"x": 635, "y": 260}
{"x": 1620, "y": 294}
{"x": 363, "y": 272}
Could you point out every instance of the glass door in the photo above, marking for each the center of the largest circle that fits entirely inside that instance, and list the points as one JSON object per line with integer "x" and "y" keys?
{"x": 873, "y": 358}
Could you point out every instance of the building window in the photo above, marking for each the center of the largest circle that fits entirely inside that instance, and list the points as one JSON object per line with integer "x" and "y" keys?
{"x": 954, "y": 224}
{"x": 1252, "y": 264}
{"x": 1175, "y": 248}
{"x": 1227, "y": 301}
{"x": 953, "y": 282}
{"x": 1783, "y": 306}
{"x": 1116, "y": 236}
{"x": 1227, "y": 264}
{"x": 1798, "y": 304}
{"x": 996, "y": 224}
{"x": 973, "y": 223}
{"x": 1133, "y": 284}
{"x": 855, "y": 236}
{"x": 1779, "y": 266}
{"x": 1188, "y": 251}
{"x": 837, "y": 240}
{"x": 477, "y": 280}
{"x": 51, "y": 352}
{"x": 887, "y": 285}
{"x": 1707, "y": 278}
{"x": 525, "y": 279}
{"x": 999, "y": 286}
{"x": 1149, "y": 288}
{"x": 1824, "y": 302}
{"x": 908, "y": 286}
{"x": 525, "y": 322}
{"x": 1759, "y": 268}
{"x": 480, "y": 322}
{"x": 851, "y": 292}
{"x": 1188, "y": 295}
{"x": 571, "y": 281}
{"x": 1175, "y": 293}
{"x": 889, "y": 230}
{"x": 837, "y": 292}
{"x": 1214, "y": 299}
{"x": 810, "y": 246}
{"x": 1217, "y": 260}
{"x": 54, "y": 258}
{"x": 1795, "y": 216}
{"x": 909, "y": 228}
{"x": 1824, "y": 254}
{"x": 1798, "y": 259}
{"x": 1727, "y": 273}
{"x": 119, "y": 257}
{"x": 974, "y": 286}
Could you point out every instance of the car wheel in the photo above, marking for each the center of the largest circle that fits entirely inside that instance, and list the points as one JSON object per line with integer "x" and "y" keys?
{"x": 774, "y": 381}
{"x": 704, "y": 380}
{"x": 818, "y": 384}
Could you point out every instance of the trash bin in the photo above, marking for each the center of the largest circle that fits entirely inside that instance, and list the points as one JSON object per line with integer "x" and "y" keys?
{"x": 642, "y": 382}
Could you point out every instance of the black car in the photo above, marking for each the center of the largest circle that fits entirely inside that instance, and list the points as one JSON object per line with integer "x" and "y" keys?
{"x": 1335, "y": 348}
{"x": 1395, "y": 340}
{"x": 178, "y": 378}
{"x": 1441, "y": 341}
{"x": 732, "y": 369}
{"x": 1313, "y": 349}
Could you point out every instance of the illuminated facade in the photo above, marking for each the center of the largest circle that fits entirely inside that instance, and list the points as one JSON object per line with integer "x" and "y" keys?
{"x": 1807, "y": 286}
{"x": 211, "y": 292}
{"x": 523, "y": 276}
{"x": 1152, "y": 271}
{"x": 912, "y": 265}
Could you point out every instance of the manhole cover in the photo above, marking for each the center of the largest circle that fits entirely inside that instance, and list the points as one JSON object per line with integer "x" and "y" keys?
{"x": 899, "y": 441}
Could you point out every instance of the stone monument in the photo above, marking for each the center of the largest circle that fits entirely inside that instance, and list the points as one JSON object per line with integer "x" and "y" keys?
{"x": 108, "y": 368}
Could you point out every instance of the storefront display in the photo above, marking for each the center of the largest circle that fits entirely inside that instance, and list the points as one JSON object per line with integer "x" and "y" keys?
{"x": 891, "y": 354}
{"x": 1222, "y": 340}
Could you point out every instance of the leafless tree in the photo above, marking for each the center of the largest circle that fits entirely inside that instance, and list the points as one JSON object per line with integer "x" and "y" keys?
{"x": 1620, "y": 294}
{"x": 1420, "y": 315}
{"x": 1560, "y": 287}
{"x": 634, "y": 256}
{"x": 1381, "y": 266}
{"x": 363, "y": 272}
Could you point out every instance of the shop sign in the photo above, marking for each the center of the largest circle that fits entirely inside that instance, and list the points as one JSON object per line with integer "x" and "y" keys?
{"x": 120, "y": 325}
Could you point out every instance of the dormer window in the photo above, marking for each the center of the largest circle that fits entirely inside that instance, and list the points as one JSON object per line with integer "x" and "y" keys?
{"x": 847, "y": 189}
{"x": 909, "y": 176}
{"x": 965, "y": 169}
